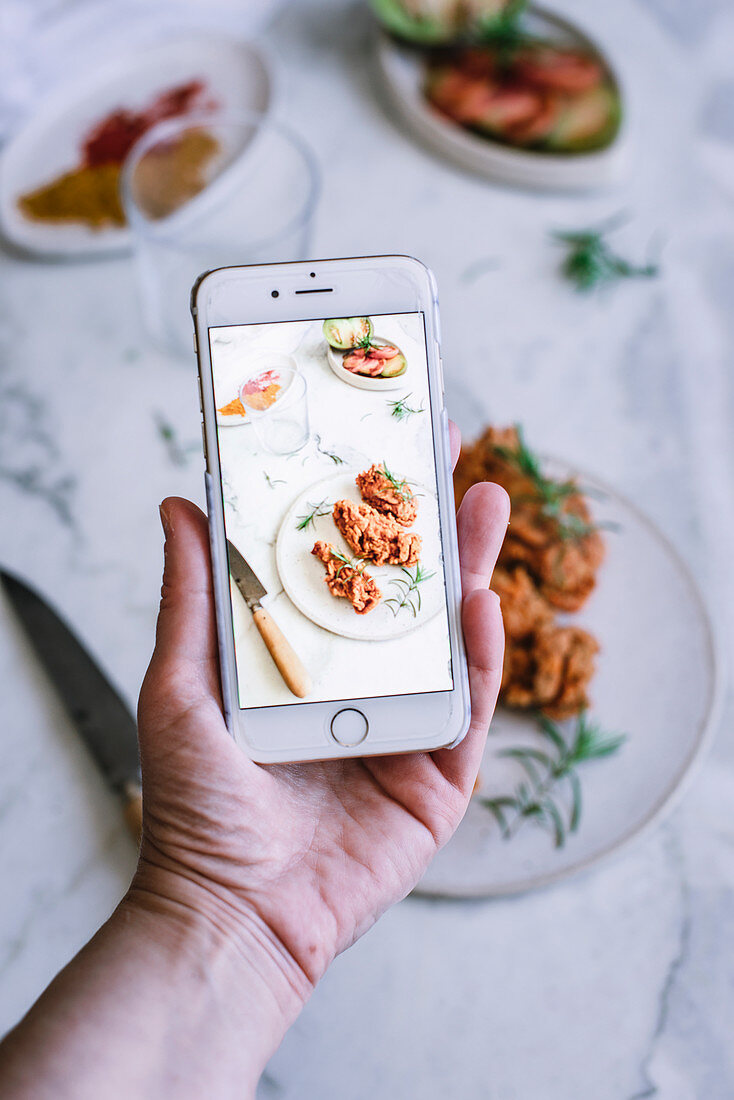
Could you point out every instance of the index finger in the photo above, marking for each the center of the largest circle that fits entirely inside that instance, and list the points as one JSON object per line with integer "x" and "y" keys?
{"x": 481, "y": 525}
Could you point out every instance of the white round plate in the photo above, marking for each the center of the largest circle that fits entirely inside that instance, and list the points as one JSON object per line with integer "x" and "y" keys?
{"x": 362, "y": 382}
{"x": 657, "y": 681}
{"x": 302, "y": 575}
{"x": 402, "y": 73}
{"x": 235, "y": 75}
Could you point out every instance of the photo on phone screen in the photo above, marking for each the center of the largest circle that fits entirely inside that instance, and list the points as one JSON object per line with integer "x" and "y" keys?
{"x": 329, "y": 492}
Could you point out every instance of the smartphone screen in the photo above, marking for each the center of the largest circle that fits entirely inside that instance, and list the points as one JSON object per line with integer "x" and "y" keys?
{"x": 330, "y": 501}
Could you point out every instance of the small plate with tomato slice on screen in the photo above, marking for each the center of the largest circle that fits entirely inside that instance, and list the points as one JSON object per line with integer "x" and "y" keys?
{"x": 505, "y": 89}
{"x": 361, "y": 358}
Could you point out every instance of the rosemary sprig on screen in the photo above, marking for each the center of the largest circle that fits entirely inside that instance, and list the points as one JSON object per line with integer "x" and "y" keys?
{"x": 357, "y": 564}
{"x": 401, "y": 410}
{"x": 590, "y": 262}
{"x": 400, "y": 485}
{"x": 316, "y": 511}
{"x": 551, "y": 792}
{"x": 551, "y": 493}
{"x": 409, "y": 595}
{"x": 335, "y": 458}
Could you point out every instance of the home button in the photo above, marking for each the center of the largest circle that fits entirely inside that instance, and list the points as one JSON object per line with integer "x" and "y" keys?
{"x": 349, "y": 727}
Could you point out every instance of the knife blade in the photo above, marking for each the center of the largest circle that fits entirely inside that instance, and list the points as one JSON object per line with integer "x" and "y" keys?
{"x": 286, "y": 659}
{"x": 244, "y": 577}
{"x": 101, "y": 717}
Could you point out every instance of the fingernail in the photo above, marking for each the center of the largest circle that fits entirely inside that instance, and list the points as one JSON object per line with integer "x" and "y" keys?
{"x": 165, "y": 520}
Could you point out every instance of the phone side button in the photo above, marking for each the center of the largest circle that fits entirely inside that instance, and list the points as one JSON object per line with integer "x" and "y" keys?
{"x": 203, "y": 443}
{"x": 349, "y": 727}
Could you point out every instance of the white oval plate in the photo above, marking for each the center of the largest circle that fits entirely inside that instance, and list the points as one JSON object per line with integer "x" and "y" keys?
{"x": 402, "y": 71}
{"x": 232, "y": 377}
{"x": 235, "y": 75}
{"x": 362, "y": 382}
{"x": 657, "y": 680}
{"x": 302, "y": 575}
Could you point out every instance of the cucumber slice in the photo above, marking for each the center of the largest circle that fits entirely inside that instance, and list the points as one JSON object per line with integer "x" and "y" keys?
{"x": 394, "y": 367}
{"x": 344, "y": 333}
{"x": 434, "y": 24}
{"x": 588, "y": 121}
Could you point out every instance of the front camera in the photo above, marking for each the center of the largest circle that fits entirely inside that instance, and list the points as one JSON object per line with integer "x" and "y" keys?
{"x": 274, "y": 293}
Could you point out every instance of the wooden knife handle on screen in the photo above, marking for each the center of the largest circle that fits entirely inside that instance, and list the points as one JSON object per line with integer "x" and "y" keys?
{"x": 288, "y": 662}
{"x": 132, "y": 799}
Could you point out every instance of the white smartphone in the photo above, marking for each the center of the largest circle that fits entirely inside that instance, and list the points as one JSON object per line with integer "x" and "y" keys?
{"x": 331, "y": 508}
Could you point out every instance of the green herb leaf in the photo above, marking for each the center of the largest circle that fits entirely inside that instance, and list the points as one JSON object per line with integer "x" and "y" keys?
{"x": 401, "y": 410}
{"x": 590, "y": 262}
{"x": 551, "y": 794}
{"x": 315, "y": 512}
{"x": 408, "y": 597}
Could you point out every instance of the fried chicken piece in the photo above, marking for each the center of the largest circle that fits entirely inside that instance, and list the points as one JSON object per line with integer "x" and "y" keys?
{"x": 550, "y": 669}
{"x": 523, "y": 609}
{"x": 563, "y": 564}
{"x": 390, "y": 497}
{"x": 563, "y": 569}
{"x": 378, "y": 538}
{"x": 482, "y": 461}
{"x": 344, "y": 580}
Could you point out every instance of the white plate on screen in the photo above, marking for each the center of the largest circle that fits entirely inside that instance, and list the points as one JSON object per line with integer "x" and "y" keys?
{"x": 402, "y": 73}
{"x": 657, "y": 680}
{"x": 302, "y": 575}
{"x": 235, "y": 75}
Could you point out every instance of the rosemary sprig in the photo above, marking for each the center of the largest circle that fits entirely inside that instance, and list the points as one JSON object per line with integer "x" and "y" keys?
{"x": 551, "y": 792}
{"x": 408, "y": 590}
{"x": 549, "y": 492}
{"x": 357, "y": 564}
{"x": 335, "y": 458}
{"x": 590, "y": 262}
{"x": 309, "y": 519}
{"x": 401, "y": 410}
{"x": 272, "y": 482}
{"x": 400, "y": 485}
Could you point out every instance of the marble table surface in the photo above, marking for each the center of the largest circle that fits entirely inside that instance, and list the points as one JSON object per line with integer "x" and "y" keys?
{"x": 615, "y": 985}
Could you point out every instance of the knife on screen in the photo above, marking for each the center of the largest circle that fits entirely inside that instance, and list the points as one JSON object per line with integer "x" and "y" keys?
{"x": 288, "y": 662}
{"x": 101, "y": 717}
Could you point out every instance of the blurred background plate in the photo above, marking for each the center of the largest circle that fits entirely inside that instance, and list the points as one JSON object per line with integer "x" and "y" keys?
{"x": 656, "y": 681}
{"x": 235, "y": 77}
{"x": 402, "y": 71}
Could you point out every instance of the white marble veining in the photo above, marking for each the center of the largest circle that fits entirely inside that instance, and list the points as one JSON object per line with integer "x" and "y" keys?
{"x": 615, "y": 985}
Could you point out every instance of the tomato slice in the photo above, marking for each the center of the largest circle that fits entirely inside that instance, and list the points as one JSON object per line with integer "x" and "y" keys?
{"x": 559, "y": 70}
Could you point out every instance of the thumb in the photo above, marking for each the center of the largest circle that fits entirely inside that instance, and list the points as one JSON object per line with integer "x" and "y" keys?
{"x": 184, "y": 668}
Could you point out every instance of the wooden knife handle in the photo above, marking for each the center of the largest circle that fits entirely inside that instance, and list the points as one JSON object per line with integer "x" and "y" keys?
{"x": 133, "y": 810}
{"x": 288, "y": 662}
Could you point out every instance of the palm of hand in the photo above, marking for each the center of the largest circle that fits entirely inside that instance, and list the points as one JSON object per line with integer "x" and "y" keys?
{"x": 316, "y": 851}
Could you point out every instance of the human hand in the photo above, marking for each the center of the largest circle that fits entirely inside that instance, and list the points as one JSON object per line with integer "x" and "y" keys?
{"x": 298, "y": 860}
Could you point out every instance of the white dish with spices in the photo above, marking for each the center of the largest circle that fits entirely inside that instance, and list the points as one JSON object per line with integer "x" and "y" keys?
{"x": 94, "y": 118}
